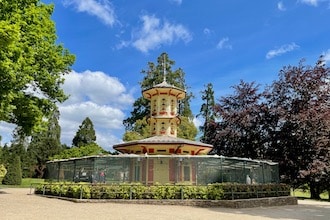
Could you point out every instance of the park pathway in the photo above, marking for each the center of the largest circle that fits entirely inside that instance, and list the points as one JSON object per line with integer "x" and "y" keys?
{"x": 19, "y": 204}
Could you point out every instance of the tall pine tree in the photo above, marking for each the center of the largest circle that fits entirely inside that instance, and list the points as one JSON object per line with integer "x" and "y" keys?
{"x": 44, "y": 145}
{"x": 207, "y": 110}
{"x": 14, "y": 171}
{"x": 85, "y": 134}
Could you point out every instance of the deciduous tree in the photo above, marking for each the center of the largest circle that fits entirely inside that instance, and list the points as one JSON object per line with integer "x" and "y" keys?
{"x": 91, "y": 149}
{"x": 299, "y": 137}
{"x": 31, "y": 63}
{"x": 237, "y": 131}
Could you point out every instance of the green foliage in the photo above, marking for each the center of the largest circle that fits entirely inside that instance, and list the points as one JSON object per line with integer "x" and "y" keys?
{"x": 44, "y": 145}
{"x": 31, "y": 63}
{"x": 287, "y": 123}
{"x": 3, "y": 170}
{"x": 141, "y": 130}
{"x": 74, "y": 152}
{"x": 85, "y": 134}
{"x": 139, "y": 191}
{"x": 207, "y": 110}
{"x": 215, "y": 191}
{"x": 27, "y": 182}
{"x": 5, "y": 153}
{"x": 14, "y": 172}
{"x": 187, "y": 129}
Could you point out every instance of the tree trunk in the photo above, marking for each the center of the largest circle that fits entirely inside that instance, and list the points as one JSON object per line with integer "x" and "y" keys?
{"x": 315, "y": 190}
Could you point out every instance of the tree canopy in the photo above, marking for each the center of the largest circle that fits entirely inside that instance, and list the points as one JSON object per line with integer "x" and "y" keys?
{"x": 44, "y": 144}
{"x": 299, "y": 130}
{"x": 287, "y": 123}
{"x": 74, "y": 152}
{"x": 207, "y": 110}
{"x": 85, "y": 134}
{"x": 31, "y": 63}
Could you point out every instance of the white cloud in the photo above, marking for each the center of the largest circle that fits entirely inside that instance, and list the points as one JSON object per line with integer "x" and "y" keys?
{"x": 280, "y": 6}
{"x": 310, "y": 2}
{"x": 101, "y": 9}
{"x": 314, "y": 3}
{"x": 6, "y": 130}
{"x": 96, "y": 87}
{"x": 177, "y": 2}
{"x": 106, "y": 120}
{"x": 224, "y": 44}
{"x": 327, "y": 56}
{"x": 153, "y": 34}
{"x": 207, "y": 31}
{"x": 281, "y": 50}
{"x": 197, "y": 122}
{"x": 96, "y": 95}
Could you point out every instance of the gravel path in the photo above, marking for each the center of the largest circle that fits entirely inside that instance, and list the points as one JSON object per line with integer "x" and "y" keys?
{"x": 19, "y": 204}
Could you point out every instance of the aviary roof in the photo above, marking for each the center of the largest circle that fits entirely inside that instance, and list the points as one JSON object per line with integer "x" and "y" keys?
{"x": 164, "y": 84}
{"x": 164, "y": 140}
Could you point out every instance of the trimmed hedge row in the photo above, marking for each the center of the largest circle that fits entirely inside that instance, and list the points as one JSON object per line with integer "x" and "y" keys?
{"x": 139, "y": 191}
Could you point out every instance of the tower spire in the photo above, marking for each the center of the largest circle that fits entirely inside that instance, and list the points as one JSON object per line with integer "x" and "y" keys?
{"x": 164, "y": 71}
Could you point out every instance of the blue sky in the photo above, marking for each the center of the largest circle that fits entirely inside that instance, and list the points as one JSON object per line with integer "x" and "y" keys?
{"x": 213, "y": 41}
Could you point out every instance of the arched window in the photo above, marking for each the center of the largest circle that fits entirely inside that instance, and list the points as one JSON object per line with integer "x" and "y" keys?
{"x": 162, "y": 130}
{"x": 172, "y": 107}
{"x": 154, "y": 107}
{"x": 163, "y": 104}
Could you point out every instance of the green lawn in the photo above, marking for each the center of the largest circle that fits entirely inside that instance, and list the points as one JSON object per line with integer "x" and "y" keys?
{"x": 306, "y": 194}
{"x": 26, "y": 182}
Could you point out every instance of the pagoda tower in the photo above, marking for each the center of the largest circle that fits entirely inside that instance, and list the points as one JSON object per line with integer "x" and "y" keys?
{"x": 164, "y": 118}
{"x": 164, "y": 121}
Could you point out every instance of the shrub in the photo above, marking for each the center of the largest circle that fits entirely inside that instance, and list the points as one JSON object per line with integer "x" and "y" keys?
{"x": 216, "y": 191}
{"x": 3, "y": 170}
{"x": 14, "y": 172}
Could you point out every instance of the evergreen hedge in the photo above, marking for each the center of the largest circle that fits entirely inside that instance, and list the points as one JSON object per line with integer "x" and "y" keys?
{"x": 216, "y": 191}
{"x": 14, "y": 172}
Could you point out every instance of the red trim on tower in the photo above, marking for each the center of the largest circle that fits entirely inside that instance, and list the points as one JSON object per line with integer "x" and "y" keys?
{"x": 199, "y": 150}
{"x": 144, "y": 149}
{"x": 148, "y": 94}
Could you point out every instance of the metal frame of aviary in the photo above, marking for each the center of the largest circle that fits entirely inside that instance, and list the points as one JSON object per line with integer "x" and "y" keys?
{"x": 163, "y": 169}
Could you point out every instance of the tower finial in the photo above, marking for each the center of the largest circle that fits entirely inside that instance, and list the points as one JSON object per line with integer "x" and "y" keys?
{"x": 164, "y": 66}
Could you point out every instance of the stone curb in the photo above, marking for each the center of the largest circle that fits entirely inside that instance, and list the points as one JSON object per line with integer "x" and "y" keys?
{"x": 239, "y": 203}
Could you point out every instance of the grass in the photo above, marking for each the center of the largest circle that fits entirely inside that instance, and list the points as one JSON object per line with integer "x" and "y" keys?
{"x": 26, "y": 183}
{"x": 305, "y": 194}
